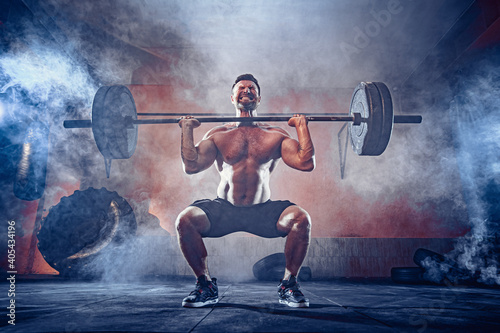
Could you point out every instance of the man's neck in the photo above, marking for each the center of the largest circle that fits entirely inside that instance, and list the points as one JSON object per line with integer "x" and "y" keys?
{"x": 246, "y": 114}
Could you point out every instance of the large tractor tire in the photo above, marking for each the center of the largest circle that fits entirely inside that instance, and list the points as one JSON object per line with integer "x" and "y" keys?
{"x": 82, "y": 226}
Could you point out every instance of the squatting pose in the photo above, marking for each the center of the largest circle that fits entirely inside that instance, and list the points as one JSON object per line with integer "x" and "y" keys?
{"x": 245, "y": 154}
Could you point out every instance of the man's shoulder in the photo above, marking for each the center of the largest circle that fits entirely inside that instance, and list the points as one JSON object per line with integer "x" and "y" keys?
{"x": 273, "y": 128}
{"x": 218, "y": 129}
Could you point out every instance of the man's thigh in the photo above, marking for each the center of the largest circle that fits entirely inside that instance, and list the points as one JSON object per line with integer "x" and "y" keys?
{"x": 260, "y": 219}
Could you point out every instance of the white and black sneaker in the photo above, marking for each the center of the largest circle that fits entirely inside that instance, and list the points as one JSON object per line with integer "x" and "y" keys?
{"x": 289, "y": 294}
{"x": 205, "y": 293}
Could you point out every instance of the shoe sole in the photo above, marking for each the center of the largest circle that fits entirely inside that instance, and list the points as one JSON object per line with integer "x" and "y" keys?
{"x": 295, "y": 305}
{"x": 199, "y": 304}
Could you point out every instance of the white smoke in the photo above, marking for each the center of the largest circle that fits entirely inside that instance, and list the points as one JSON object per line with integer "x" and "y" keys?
{"x": 48, "y": 76}
{"x": 474, "y": 111}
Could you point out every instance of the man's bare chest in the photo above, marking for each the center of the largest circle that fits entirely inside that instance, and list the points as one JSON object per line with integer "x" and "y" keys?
{"x": 243, "y": 143}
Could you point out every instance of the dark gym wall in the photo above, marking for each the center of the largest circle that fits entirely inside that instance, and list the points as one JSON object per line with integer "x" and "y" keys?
{"x": 183, "y": 57}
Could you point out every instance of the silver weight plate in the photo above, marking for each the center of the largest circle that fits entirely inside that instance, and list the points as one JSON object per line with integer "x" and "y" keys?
{"x": 114, "y": 136}
{"x": 373, "y": 101}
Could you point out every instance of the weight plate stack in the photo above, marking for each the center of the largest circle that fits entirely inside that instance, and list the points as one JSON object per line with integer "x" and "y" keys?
{"x": 374, "y": 102}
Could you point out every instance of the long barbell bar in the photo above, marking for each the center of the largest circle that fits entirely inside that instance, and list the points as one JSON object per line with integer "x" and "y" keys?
{"x": 355, "y": 118}
{"x": 230, "y": 114}
{"x": 114, "y": 120}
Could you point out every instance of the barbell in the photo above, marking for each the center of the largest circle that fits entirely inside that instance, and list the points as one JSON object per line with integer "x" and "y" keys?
{"x": 115, "y": 119}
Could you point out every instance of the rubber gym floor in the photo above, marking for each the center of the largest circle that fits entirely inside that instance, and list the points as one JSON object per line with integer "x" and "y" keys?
{"x": 52, "y": 304}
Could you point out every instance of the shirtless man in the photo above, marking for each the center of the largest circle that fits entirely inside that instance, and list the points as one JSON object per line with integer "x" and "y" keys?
{"x": 245, "y": 154}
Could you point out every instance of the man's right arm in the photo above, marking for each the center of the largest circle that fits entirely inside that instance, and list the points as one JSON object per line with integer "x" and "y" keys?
{"x": 195, "y": 158}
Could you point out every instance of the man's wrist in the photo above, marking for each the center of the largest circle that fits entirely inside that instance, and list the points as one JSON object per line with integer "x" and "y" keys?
{"x": 187, "y": 126}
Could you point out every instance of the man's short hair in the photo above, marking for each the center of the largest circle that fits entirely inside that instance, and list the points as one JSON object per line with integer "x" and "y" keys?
{"x": 248, "y": 77}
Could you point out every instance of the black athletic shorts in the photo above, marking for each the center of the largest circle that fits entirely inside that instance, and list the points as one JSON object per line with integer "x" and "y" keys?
{"x": 259, "y": 219}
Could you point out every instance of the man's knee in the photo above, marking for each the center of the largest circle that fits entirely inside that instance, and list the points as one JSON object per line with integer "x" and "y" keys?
{"x": 192, "y": 219}
{"x": 302, "y": 220}
{"x": 182, "y": 222}
{"x": 295, "y": 218}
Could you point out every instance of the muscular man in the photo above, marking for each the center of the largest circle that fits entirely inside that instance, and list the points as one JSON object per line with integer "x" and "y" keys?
{"x": 245, "y": 154}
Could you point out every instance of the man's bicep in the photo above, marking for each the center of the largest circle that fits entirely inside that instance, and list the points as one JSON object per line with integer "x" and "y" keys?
{"x": 289, "y": 148}
{"x": 207, "y": 152}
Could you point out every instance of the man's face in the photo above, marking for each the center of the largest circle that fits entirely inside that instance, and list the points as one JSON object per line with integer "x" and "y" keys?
{"x": 245, "y": 95}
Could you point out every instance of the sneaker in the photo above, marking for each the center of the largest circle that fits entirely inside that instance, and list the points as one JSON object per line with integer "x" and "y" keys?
{"x": 289, "y": 294}
{"x": 205, "y": 293}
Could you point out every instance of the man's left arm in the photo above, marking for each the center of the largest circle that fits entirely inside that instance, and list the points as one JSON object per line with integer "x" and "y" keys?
{"x": 299, "y": 154}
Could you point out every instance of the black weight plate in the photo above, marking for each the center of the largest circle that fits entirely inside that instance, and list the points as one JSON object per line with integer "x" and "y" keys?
{"x": 387, "y": 118}
{"x": 272, "y": 268}
{"x": 115, "y": 138}
{"x": 408, "y": 275}
{"x": 373, "y": 101}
